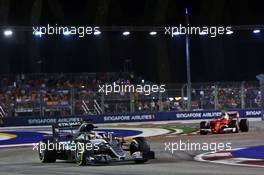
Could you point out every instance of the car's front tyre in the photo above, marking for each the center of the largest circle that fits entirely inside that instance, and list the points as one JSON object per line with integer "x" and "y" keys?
{"x": 244, "y": 125}
{"x": 140, "y": 144}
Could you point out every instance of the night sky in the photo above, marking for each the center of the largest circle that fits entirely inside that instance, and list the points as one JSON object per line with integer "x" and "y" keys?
{"x": 237, "y": 57}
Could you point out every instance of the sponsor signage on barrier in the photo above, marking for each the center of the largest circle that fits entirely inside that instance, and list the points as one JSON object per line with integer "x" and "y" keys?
{"x": 133, "y": 117}
{"x": 40, "y": 121}
{"x": 197, "y": 115}
{"x": 251, "y": 113}
{"x": 36, "y": 121}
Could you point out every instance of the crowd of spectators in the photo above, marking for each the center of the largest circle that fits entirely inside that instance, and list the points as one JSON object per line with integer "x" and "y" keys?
{"x": 67, "y": 94}
{"x": 55, "y": 93}
{"x": 222, "y": 96}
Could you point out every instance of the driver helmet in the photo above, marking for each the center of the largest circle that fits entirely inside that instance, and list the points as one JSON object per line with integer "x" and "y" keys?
{"x": 226, "y": 116}
{"x": 86, "y": 127}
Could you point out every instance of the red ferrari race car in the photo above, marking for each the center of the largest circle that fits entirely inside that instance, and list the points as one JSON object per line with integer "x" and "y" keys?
{"x": 229, "y": 122}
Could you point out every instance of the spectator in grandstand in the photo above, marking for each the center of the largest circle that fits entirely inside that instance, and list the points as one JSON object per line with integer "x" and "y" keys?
{"x": 152, "y": 105}
{"x": 140, "y": 107}
{"x": 146, "y": 107}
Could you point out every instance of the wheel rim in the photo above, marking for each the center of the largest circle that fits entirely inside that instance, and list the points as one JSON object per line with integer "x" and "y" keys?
{"x": 41, "y": 153}
{"x": 79, "y": 157}
{"x": 78, "y": 154}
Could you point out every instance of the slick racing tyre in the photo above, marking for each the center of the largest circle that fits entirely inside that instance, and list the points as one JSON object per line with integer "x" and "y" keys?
{"x": 203, "y": 125}
{"x": 82, "y": 155}
{"x": 46, "y": 155}
{"x": 139, "y": 144}
{"x": 244, "y": 125}
{"x": 80, "y": 158}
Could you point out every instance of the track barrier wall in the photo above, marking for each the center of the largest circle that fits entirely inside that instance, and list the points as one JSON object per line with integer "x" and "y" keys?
{"x": 129, "y": 117}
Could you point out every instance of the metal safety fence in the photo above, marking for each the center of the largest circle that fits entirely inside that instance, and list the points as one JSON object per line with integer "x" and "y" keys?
{"x": 86, "y": 99}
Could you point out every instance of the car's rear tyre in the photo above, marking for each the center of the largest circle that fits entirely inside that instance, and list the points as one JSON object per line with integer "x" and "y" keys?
{"x": 234, "y": 124}
{"x": 80, "y": 158}
{"x": 81, "y": 153}
{"x": 244, "y": 125}
{"x": 203, "y": 125}
{"x": 46, "y": 155}
{"x": 140, "y": 144}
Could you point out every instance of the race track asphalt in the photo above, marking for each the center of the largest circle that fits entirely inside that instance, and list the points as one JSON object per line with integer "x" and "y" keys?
{"x": 14, "y": 161}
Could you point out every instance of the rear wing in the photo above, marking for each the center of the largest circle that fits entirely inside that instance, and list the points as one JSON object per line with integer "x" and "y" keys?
{"x": 233, "y": 115}
{"x": 56, "y": 128}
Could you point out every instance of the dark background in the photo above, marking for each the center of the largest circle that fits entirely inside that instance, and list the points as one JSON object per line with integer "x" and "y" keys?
{"x": 237, "y": 57}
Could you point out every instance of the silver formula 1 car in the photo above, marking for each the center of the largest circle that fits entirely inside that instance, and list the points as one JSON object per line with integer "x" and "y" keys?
{"x": 88, "y": 146}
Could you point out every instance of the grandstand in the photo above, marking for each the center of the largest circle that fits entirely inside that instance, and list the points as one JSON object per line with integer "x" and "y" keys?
{"x": 77, "y": 94}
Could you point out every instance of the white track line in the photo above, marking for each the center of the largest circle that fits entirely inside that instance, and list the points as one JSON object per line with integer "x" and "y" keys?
{"x": 232, "y": 161}
{"x": 17, "y": 145}
{"x": 146, "y": 132}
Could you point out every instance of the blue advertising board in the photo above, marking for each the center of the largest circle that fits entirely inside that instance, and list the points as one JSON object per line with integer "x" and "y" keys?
{"x": 129, "y": 117}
